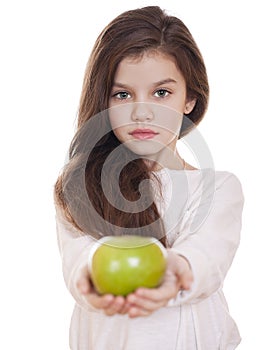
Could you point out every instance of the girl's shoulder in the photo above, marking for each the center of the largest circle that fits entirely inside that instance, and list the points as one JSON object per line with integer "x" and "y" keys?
{"x": 220, "y": 185}
{"x": 223, "y": 184}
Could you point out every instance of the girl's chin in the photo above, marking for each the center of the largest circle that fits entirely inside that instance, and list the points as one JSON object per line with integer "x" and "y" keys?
{"x": 144, "y": 153}
{"x": 145, "y": 147}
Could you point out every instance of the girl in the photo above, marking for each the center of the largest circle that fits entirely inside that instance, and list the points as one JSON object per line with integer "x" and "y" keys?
{"x": 145, "y": 87}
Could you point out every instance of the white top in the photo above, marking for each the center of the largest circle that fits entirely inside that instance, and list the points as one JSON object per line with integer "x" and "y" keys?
{"x": 202, "y": 214}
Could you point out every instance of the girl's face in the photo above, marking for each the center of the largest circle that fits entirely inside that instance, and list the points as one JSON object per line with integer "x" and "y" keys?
{"x": 147, "y": 103}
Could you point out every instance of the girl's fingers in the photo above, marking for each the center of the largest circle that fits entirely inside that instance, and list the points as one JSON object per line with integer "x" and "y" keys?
{"x": 100, "y": 302}
{"x": 138, "y": 312}
{"x": 155, "y": 295}
{"x": 147, "y": 304}
{"x": 84, "y": 285}
{"x": 166, "y": 291}
{"x": 109, "y": 303}
{"x": 115, "y": 307}
{"x": 145, "y": 301}
{"x": 125, "y": 308}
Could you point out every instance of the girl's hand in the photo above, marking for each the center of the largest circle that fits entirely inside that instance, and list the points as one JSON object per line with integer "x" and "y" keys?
{"x": 110, "y": 304}
{"x": 178, "y": 276}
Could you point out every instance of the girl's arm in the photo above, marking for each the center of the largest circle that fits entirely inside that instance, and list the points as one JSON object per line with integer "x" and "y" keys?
{"x": 208, "y": 251}
{"x": 75, "y": 247}
{"x": 211, "y": 248}
{"x": 203, "y": 256}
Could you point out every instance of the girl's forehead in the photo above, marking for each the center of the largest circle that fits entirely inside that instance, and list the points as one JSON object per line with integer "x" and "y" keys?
{"x": 154, "y": 54}
{"x": 151, "y": 66}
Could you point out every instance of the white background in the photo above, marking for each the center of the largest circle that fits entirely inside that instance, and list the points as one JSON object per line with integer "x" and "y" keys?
{"x": 44, "y": 49}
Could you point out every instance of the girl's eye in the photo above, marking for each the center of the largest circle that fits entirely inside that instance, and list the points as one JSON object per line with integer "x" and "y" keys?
{"x": 162, "y": 93}
{"x": 122, "y": 95}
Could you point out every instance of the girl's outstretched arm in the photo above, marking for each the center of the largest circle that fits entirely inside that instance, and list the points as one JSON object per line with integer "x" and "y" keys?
{"x": 75, "y": 248}
{"x": 210, "y": 248}
{"x": 208, "y": 252}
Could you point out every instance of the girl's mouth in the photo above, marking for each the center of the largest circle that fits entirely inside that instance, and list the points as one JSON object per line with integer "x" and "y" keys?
{"x": 143, "y": 134}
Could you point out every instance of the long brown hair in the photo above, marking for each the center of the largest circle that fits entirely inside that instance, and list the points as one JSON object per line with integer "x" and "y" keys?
{"x": 79, "y": 190}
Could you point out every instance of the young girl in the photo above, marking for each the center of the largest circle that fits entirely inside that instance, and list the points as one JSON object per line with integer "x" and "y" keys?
{"x": 145, "y": 87}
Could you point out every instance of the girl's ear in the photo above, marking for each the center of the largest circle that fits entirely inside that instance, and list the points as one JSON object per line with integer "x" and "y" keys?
{"x": 189, "y": 106}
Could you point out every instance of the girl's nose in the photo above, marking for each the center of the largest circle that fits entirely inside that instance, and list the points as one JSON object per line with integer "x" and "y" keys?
{"x": 142, "y": 112}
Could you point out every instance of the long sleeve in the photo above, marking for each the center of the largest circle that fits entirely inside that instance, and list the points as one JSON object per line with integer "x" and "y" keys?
{"x": 210, "y": 248}
{"x": 202, "y": 221}
{"x": 74, "y": 249}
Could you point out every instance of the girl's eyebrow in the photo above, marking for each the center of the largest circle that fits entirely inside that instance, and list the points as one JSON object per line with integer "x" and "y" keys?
{"x": 120, "y": 85}
{"x": 165, "y": 81}
{"x": 158, "y": 83}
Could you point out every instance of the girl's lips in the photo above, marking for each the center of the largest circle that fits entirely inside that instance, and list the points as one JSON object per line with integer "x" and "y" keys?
{"x": 143, "y": 134}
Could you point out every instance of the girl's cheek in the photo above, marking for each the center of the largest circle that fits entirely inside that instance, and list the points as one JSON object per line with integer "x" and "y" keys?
{"x": 120, "y": 116}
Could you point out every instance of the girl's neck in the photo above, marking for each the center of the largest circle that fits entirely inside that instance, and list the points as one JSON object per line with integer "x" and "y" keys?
{"x": 171, "y": 161}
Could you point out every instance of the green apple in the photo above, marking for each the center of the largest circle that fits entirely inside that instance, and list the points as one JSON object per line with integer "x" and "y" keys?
{"x": 118, "y": 265}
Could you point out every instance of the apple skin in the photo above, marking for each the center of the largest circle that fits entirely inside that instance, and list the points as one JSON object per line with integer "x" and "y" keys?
{"x": 119, "y": 265}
